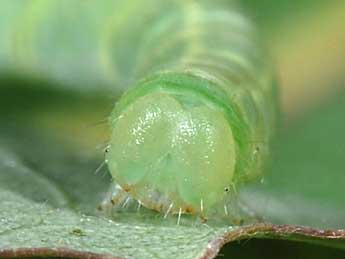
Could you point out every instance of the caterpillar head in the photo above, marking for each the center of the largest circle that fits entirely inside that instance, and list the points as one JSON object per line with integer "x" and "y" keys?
{"x": 172, "y": 151}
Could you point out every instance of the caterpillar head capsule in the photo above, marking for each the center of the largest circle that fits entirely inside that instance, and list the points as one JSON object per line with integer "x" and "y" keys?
{"x": 171, "y": 152}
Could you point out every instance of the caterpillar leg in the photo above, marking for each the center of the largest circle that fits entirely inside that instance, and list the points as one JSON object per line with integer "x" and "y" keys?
{"x": 239, "y": 213}
{"x": 116, "y": 199}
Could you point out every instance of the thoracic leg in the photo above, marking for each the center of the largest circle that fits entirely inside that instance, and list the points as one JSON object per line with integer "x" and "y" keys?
{"x": 115, "y": 199}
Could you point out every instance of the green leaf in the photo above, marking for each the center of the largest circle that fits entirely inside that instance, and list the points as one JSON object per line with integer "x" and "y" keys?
{"x": 66, "y": 182}
{"x": 38, "y": 226}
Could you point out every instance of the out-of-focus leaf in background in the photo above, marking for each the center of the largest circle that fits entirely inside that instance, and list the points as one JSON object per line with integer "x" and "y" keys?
{"x": 51, "y": 140}
{"x": 307, "y": 40}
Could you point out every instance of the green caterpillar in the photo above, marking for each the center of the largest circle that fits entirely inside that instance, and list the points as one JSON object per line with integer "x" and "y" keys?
{"x": 200, "y": 113}
{"x": 200, "y": 120}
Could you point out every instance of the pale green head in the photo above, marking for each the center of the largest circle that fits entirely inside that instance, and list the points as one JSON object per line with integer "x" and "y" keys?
{"x": 168, "y": 149}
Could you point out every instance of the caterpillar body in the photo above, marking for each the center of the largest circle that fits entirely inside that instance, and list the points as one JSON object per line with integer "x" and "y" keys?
{"x": 200, "y": 115}
{"x": 200, "y": 119}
